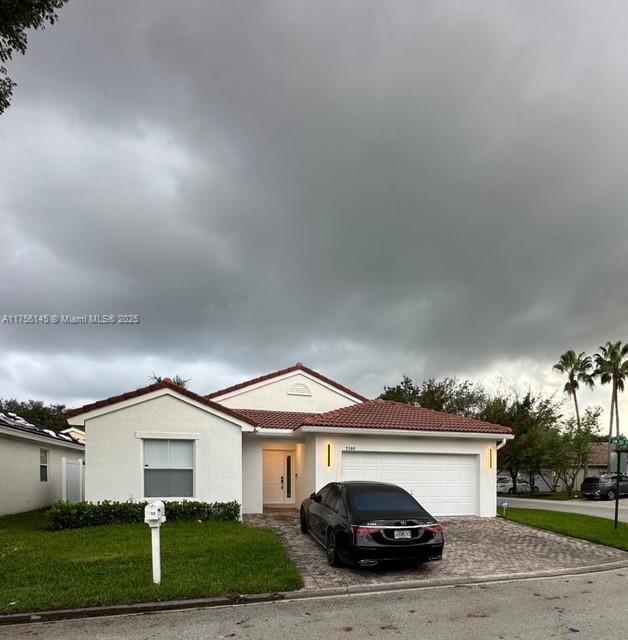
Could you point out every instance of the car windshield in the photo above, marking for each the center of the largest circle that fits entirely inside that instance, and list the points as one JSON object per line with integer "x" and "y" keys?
{"x": 383, "y": 500}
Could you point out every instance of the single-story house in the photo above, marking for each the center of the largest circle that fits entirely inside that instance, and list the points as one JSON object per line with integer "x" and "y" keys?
{"x": 38, "y": 466}
{"x": 273, "y": 440}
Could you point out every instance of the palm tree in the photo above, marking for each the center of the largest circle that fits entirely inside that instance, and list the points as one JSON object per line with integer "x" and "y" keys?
{"x": 579, "y": 369}
{"x": 611, "y": 365}
{"x": 182, "y": 382}
{"x": 178, "y": 380}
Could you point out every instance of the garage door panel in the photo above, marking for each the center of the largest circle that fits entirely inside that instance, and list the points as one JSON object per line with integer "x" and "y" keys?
{"x": 445, "y": 484}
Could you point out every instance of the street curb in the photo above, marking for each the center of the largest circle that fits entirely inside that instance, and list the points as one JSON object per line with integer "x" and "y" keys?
{"x": 223, "y": 601}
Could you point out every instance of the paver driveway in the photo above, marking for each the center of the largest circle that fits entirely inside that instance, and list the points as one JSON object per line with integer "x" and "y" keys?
{"x": 474, "y": 547}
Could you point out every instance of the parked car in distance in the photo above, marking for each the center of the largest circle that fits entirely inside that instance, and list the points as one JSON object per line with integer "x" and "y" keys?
{"x": 370, "y": 523}
{"x": 604, "y": 487}
{"x": 504, "y": 485}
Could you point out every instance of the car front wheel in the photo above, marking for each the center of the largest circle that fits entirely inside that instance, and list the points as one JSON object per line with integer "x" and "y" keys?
{"x": 332, "y": 553}
{"x": 303, "y": 520}
{"x": 610, "y": 495}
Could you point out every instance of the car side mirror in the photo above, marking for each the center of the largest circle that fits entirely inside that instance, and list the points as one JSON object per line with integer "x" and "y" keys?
{"x": 316, "y": 497}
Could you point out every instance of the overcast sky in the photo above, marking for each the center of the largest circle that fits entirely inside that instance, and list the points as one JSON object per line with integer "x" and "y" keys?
{"x": 372, "y": 188}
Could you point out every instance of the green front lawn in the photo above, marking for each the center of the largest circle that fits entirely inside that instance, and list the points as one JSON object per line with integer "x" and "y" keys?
{"x": 41, "y": 569}
{"x": 589, "y": 528}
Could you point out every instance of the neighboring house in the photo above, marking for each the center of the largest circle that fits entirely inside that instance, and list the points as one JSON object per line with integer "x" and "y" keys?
{"x": 598, "y": 461}
{"x": 38, "y": 466}
{"x": 273, "y": 440}
{"x": 75, "y": 433}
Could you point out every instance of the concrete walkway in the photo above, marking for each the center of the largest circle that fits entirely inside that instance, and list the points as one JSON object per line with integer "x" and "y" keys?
{"x": 599, "y": 508}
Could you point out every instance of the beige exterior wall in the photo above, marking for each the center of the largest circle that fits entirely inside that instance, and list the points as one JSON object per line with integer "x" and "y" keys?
{"x": 278, "y": 395}
{"x": 252, "y": 474}
{"x": 20, "y": 486}
{"x": 415, "y": 444}
{"x": 313, "y": 472}
{"x": 114, "y": 452}
{"x": 253, "y": 447}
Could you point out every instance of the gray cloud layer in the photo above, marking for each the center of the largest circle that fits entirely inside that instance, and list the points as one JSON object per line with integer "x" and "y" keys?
{"x": 370, "y": 187}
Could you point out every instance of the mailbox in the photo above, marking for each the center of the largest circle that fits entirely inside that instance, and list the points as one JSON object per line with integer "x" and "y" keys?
{"x": 155, "y": 513}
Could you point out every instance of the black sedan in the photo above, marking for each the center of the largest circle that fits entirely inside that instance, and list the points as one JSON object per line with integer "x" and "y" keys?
{"x": 368, "y": 523}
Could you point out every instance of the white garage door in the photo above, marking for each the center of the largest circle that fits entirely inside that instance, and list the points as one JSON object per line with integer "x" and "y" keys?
{"x": 446, "y": 485}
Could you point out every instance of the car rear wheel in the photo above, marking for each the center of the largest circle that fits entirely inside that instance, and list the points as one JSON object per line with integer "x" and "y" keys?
{"x": 611, "y": 494}
{"x": 303, "y": 519}
{"x": 332, "y": 553}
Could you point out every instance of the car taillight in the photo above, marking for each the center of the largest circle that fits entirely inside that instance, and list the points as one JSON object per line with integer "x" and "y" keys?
{"x": 434, "y": 528}
{"x": 364, "y": 531}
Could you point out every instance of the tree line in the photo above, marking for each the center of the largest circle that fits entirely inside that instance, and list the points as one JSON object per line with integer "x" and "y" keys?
{"x": 545, "y": 439}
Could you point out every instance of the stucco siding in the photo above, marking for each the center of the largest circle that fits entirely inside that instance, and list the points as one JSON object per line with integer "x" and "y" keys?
{"x": 486, "y": 489}
{"x": 253, "y": 447}
{"x": 308, "y": 469}
{"x": 252, "y": 474}
{"x": 21, "y": 488}
{"x": 114, "y": 453}
{"x": 275, "y": 395}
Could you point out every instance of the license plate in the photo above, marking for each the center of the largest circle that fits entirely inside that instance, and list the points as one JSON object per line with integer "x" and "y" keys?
{"x": 403, "y": 534}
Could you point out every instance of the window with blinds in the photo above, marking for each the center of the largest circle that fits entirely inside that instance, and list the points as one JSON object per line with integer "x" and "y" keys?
{"x": 168, "y": 468}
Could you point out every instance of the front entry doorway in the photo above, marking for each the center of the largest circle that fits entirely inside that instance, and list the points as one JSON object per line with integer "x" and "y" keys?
{"x": 278, "y": 477}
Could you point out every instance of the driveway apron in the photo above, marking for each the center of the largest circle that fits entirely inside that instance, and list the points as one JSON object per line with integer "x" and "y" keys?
{"x": 474, "y": 548}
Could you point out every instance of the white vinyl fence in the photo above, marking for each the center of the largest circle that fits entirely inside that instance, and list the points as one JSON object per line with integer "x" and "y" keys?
{"x": 73, "y": 479}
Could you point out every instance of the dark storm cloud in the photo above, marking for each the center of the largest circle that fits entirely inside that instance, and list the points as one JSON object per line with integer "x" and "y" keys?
{"x": 370, "y": 187}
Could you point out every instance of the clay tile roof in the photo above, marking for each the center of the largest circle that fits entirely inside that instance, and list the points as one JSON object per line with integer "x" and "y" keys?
{"x": 164, "y": 384}
{"x": 275, "y": 374}
{"x": 386, "y": 414}
{"x": 276, "y": 419}
{"x": 599, "y": 454}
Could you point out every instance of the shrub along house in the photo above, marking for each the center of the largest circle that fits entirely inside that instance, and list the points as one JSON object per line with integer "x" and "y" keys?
{"x": 273, "y": 440}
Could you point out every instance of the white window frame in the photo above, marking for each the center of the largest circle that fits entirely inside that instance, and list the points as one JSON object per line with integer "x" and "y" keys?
{"x": 44, "y": 465}
{"x": 169, "y": 438}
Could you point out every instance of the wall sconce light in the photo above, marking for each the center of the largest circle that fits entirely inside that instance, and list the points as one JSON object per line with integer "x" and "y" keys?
{"x": 329, "y": 455}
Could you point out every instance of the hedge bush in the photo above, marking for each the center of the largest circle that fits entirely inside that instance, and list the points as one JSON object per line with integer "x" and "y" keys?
{"x": 68, "y": 515}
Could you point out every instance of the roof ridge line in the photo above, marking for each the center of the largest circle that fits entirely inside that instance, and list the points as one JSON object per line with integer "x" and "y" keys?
{"x": 156, "y": 386}
{"x": 299, "y": 366}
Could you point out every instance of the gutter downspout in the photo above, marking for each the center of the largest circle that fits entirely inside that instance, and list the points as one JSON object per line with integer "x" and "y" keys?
{"x": 497, "y": 448}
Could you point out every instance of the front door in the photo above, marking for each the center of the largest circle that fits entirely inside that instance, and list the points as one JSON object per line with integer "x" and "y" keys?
{"x": 278, "y": 477}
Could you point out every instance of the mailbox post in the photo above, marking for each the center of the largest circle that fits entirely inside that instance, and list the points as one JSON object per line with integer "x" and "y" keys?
{"x": 154, "y": 515}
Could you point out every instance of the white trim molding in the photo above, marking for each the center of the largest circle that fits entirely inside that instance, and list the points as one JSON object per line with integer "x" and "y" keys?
{"x": 268, "y": 381}
{"x": 79, "y": 420}
{"x": 166, "y": 435}
{"x": 355, "y": 431}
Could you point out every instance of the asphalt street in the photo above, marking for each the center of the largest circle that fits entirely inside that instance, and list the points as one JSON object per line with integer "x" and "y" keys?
{"x": 589, "y": 606}
{"x": 599, "y": 508}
